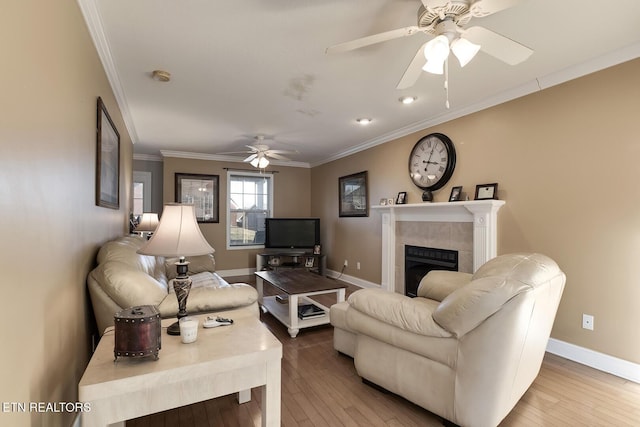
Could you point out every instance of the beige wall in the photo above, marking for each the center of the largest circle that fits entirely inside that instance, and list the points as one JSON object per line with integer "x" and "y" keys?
{"x": 291, "y": 198}
{"x": 50, "y": 227}
{"x": 566, "y": 160}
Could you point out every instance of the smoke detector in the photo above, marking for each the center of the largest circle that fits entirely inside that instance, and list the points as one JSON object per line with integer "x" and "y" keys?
{"x": 161, "y": 75}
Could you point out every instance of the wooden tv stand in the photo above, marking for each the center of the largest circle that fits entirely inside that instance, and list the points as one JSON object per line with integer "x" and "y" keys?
{"x": 315, "y": 263}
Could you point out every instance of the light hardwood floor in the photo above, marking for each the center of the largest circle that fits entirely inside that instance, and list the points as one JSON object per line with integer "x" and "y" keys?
{"x": 321, "y": 388}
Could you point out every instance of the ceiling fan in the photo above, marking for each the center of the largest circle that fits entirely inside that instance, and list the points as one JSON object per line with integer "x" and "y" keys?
{"x": 445, "y": 20}
{"x": 259, "y": 153}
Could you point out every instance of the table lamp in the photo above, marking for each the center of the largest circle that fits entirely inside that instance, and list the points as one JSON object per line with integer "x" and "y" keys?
{"x": 148, "y": 224}
{"x": 178, "y": 235}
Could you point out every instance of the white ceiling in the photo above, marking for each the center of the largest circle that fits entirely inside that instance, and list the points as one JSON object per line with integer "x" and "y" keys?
{"x": 241, "y": 68}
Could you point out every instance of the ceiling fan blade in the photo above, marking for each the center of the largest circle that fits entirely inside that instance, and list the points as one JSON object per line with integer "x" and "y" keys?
{"x": 414, "y": 70}
{"x": 376, "y": 38}
{"x": 498, "y": 46}
{"x": 252, "y": 148}
{"x": 480, "y": 8}
{"x": 283, "y": 152}
{"x": 278, "y": 156}
{"x": 251, "y": 157}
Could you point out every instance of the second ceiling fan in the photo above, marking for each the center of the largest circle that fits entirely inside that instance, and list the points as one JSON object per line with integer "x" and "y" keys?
{"x": 445, "y": 20}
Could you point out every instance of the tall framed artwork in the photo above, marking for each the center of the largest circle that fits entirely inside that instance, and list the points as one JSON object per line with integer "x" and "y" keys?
{"x": 353, "y": 195}
{"x": 107, "y": 160}
{"x": 202, "y": 191}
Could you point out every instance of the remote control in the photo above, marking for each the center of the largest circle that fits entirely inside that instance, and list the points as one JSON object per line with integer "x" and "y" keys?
{"x": 210, "y": 322}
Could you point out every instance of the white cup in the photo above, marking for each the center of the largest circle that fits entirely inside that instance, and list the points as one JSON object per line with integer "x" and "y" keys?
{"x": 188, "y": 329}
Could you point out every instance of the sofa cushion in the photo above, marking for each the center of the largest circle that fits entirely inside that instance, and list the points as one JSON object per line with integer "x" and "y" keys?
{"x": 438, "y": 284}
{"x": 197, "y": 264}
{"x": 211, "y": 294}
{"x": 469, "y": 306}
{"x": 128, "y": 286}
{"x": 124, "y": 250}
{"x": 411, "y": 314}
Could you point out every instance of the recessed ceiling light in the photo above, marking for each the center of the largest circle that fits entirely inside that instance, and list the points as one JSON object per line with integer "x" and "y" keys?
{"x": 363, "y": 121}
{"x": 408, "y": 99}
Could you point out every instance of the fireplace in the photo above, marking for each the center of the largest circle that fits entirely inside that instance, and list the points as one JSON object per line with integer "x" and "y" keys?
{"x": 481, "y": 215}
{"x": 418, "y": 261}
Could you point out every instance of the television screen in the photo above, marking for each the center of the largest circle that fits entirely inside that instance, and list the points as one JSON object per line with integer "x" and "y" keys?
{"x": 292, "y": 233}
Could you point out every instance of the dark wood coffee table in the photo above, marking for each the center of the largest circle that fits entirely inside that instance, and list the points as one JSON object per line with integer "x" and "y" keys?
{"x": 299, "y": 286}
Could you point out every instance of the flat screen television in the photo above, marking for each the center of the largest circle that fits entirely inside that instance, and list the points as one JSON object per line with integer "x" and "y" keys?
{"x": 292, "y": 233}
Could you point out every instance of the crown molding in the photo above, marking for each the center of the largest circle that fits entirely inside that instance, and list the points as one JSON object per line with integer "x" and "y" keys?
{"x": 147, "y": 157}
{"x": 93, "y": 20}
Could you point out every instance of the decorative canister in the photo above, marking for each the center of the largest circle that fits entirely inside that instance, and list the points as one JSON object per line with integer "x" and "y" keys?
{"x": 137, "y": 332}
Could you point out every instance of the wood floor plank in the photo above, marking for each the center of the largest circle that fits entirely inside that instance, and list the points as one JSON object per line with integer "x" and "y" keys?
{"x": 320, "y": 387}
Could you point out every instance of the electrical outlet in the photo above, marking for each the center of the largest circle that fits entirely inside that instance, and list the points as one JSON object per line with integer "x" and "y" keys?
{"x": 587, "y": 322}
{"x": 358, "y": 265}
{"x": 346, "y": 263}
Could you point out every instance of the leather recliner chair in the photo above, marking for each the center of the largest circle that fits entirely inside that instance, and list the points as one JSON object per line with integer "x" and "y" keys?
{"x": 467, "y": 347}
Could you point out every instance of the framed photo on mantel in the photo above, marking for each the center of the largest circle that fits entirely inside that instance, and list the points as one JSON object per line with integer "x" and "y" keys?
{"x": 486, "y": 191}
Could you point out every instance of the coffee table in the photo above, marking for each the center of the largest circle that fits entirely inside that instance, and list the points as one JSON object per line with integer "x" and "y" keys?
{"x": 299, "y": 285}
{"x": 223, "y": 360}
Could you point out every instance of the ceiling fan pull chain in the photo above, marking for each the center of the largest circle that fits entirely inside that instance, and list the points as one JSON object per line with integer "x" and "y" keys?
{"x": 446, "y": 82}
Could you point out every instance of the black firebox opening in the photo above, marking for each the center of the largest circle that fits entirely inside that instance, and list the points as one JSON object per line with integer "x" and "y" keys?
{"x": 418, "y": 261}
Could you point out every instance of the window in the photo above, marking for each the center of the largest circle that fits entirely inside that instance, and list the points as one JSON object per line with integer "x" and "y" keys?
{"x": 250, "y": 202}
{"x": 141, "y": 192}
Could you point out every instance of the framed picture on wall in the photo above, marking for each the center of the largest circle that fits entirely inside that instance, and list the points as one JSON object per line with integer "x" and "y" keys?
{"x": 107, "y": 160}
{"x": 353, "y": 199}
{"x": 202, "y": 191}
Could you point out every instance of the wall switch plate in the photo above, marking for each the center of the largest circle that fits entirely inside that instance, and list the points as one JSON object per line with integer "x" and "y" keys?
{"x": 587, "y": 322}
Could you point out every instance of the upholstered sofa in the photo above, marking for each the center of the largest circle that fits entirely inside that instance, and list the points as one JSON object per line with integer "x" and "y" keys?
{"x": 123, "y": 278}
{"x": 467, "y": 347}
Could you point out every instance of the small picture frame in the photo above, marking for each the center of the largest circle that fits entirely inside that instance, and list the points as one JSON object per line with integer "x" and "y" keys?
{"x": 402, "y": 198}
{"x": 383, "y": 202}
{"x": 487, "y": 191}
{"x": 456, "y": 193}
{"x": 317, "y": 249}
{"x": 389, "y": 201}
{"x": 308, "y": 262}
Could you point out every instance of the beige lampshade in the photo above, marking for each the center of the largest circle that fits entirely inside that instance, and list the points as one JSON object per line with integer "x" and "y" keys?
{"x": 178, "y": 234}
{"x": 148, "y": 222}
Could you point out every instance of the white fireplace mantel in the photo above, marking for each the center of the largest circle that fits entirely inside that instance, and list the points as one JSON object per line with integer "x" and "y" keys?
{"x": 482, "y": 213}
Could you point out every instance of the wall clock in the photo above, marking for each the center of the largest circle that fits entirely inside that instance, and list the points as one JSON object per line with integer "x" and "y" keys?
{"x": 431, "y": 163}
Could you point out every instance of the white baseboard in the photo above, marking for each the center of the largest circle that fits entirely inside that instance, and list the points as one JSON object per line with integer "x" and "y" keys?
{"x": 600, "y": 361}
{"x": 352, "y": 280}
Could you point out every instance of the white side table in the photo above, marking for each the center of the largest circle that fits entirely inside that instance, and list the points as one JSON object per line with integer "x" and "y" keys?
{"x": 223, "y": 360}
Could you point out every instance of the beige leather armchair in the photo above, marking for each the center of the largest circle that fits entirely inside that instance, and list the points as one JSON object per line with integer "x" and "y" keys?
{"x": 467, "y": 348}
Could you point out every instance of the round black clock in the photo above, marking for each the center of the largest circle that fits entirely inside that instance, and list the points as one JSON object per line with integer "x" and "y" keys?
{"x": 431, "y": 163}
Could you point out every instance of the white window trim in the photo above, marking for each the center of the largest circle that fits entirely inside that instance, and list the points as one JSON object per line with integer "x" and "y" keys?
{"x": 245, "y": 173}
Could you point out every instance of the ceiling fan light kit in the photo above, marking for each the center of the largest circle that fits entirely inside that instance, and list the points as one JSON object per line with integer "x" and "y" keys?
{"x": 445, "y": 21}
